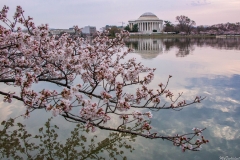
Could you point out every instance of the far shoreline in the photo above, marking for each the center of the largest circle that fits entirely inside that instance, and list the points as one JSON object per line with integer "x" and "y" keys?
{"x": 177, "y": 36}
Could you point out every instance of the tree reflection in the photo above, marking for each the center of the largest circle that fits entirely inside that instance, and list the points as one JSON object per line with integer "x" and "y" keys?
{"x": 132, "y": 44}
{"x": 185, "y": 46}
{"x": 17, "y": 143}
{"x": 220, "y": 43}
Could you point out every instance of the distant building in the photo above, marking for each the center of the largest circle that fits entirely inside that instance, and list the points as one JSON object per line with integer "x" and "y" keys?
{"x": 147, "y": 22}
{"x": 90, "y": 30}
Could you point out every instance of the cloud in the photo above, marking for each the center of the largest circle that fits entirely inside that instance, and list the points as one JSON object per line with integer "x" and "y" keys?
{"x": 200, "y": 2}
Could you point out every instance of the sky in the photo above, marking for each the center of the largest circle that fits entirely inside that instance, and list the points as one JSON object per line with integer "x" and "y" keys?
{"x": 66, "y": 13}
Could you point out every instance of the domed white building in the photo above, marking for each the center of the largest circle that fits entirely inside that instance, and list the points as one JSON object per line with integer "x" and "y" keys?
{"x": 147, "y": 22}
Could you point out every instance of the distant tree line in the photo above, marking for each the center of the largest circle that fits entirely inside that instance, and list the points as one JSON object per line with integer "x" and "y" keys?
{"x": 133, "y": 29}
{"x": 187, "y": 26}
{"x": 112, "y": 30}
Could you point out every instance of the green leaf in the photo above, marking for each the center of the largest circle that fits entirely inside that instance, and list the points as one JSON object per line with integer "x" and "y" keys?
{"x": 40, "y": 129}
{"x": 3, "y": 123}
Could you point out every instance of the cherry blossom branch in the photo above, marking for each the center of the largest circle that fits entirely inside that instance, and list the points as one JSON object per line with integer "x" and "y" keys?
{"x": 104, "y": 72}
{"x": 178, "y": 140}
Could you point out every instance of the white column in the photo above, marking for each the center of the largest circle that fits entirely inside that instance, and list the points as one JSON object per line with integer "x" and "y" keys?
{"x": 147, "y": 26}
{"x": 161, "y": 26}
{"x": 151, "y": 26}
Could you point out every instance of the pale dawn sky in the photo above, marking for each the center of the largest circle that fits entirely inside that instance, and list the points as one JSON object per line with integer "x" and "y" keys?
{"x": 66, "y": 13}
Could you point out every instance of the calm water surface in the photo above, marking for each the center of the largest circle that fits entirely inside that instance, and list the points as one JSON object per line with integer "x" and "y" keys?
{"x": 204, "y": 67}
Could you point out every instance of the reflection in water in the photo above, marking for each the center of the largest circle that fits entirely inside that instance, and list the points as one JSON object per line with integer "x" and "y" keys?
{"x": 150, "y": 48}
{"x": 17, "y": 143}
{"x": 147, "y": 48}
{"x": 212, "y": 70}
{"x": 185, "y": 47}
{"x": 220, "y": 43}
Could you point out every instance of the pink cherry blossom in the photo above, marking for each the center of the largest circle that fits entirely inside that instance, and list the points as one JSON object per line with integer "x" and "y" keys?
{"x": 96, "y": 77}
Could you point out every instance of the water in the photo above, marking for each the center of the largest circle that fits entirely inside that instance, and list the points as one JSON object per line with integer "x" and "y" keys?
{"x": 204, "y": 66}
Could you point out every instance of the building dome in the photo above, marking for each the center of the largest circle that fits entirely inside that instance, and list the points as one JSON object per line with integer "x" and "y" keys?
{"x": 148, "y": 16}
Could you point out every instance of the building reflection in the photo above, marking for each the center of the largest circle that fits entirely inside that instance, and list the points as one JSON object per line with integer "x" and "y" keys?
{"x": 147, "y": 48}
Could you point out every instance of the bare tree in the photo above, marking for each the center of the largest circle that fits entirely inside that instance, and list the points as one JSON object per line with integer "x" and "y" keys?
{"x": 185, "y": 24}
